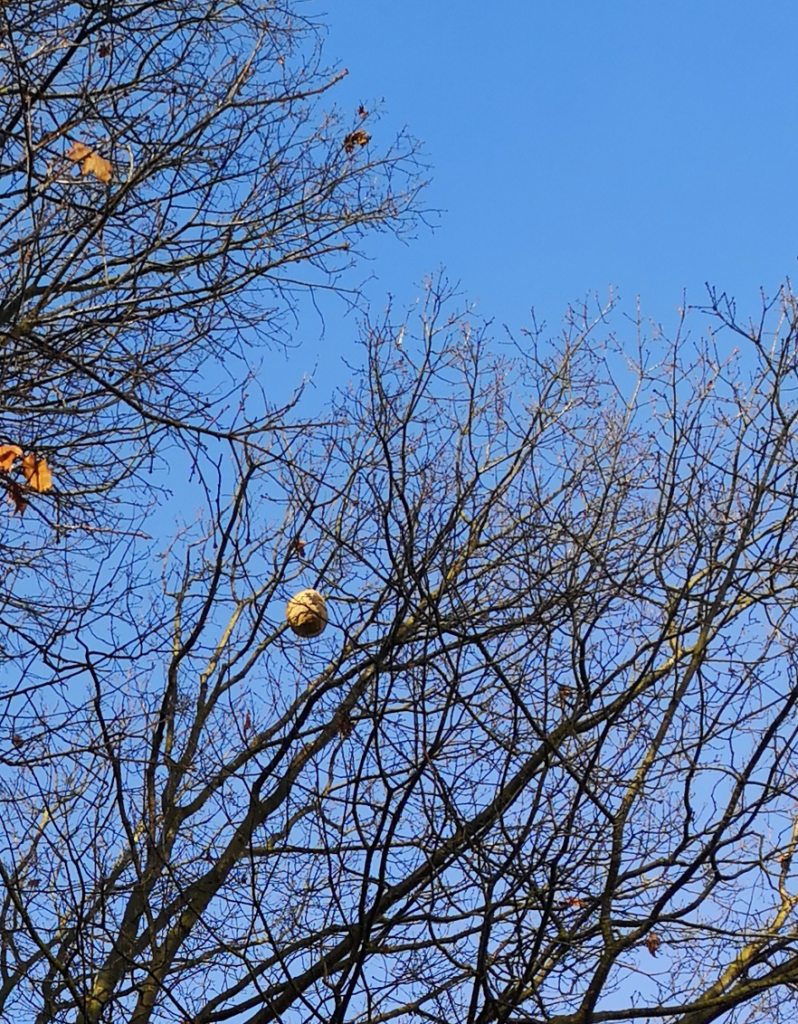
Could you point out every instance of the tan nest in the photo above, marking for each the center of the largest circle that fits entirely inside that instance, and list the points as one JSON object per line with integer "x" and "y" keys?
{"x": 306, "y": 613}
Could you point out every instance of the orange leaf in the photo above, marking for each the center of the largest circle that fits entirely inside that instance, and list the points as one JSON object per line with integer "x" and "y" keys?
{"x": 653, "y": 942}
{"x": 8, "y": 453}
{"x": 37, "y": 473}
{"x": 90, "y": 162}
{"x": 16, "y": 497}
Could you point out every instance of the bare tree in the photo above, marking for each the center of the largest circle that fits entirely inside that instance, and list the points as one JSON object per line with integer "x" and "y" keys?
{"x": 539, "y": 766}
{"x": 172, "y": 178}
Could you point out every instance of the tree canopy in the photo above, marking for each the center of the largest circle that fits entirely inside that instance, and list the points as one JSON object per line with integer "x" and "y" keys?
{"x": 171, "y": 182}
{"x": 534, "y": 759}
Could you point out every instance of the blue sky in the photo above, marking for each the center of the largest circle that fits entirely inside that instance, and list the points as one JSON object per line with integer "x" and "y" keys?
{"x": 577, "y": 145}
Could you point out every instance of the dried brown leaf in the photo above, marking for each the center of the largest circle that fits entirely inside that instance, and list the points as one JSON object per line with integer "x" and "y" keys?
{"x": 356, "y": 138}
{"x": 77, "y": 152}
{"x": 98, "y": 166}
{"x": 16, "y": 497}
{"x": 344, "y": 723}
{"x": 90, "y": 162}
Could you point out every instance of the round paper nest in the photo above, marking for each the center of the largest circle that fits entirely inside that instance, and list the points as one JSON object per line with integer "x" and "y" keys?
{"x": 306, "y": 613}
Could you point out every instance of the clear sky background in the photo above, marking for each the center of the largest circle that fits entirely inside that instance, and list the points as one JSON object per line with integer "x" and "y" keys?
{"x": 647, "y": 145}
